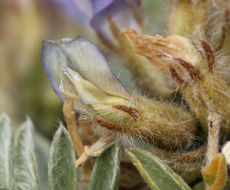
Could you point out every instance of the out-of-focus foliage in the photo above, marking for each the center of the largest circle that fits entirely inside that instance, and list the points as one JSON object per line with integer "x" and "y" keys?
{"x": 18, "y": 166}
{"x": 24, "y": 88}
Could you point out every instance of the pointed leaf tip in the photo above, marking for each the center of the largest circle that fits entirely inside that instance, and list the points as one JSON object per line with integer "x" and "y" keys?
{"x": 62, "y": 172}
{"x": 24, "y": 163}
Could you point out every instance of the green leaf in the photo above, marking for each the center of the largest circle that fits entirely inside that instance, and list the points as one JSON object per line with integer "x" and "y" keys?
{"x": 62, "y": 172}
{"x": 24, "y": 164}
{"x": 105, "y": 175}
{"x": 155, "y": 172}
{"x": 42, "y": 155}
{"x": 5, "y": 150}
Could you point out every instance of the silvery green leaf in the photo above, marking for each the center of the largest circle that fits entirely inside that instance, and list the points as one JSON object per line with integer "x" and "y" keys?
{"x": 24, "y": 163}
{"x": 5, "y": 150}
{"x": 42, "y": 155}
{"x": 62, "y": 172}
{"x": 105, "y": 175}
{"x": 155, "y": 172}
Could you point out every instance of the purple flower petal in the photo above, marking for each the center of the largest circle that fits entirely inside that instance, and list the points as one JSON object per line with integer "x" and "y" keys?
{"x": 54, "y": 62}
{"x": 88, "y": 61}
{"x": 83, "y": 57}
{"x": 120, "y": 12}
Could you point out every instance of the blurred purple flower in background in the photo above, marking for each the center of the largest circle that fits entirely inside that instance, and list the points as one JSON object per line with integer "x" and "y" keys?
{"x": 100, "y": 14}
{"x": 124, "y": 14}
{"x": 79, "y": 9}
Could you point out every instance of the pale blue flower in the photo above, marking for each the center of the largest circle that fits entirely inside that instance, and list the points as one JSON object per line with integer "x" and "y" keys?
{"x": 97, "y": 12}
{"x": 77, "y": 70}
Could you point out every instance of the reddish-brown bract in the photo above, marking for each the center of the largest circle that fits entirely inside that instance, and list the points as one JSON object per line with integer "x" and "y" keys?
{"x": 210, "y": 56}
{"x": 131, "y": 111}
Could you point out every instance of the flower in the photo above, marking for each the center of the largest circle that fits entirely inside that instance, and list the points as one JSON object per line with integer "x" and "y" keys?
{"x": 106, "y": 17}
{"x": 100, "y": 14}
{"x": 75, "y": 66}
{"x": 78, "y": 71}
{"x": 121, "y": 13}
